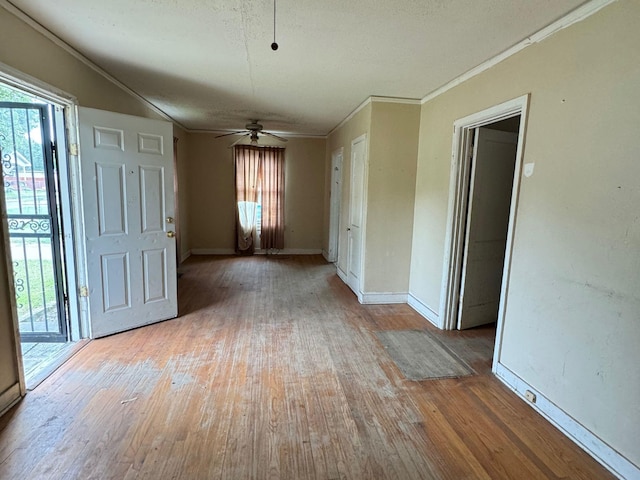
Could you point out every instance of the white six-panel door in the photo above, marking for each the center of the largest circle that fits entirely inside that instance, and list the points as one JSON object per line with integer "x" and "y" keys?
{"x": 487, "y": 225}
{"x": 356, "y": 213}
{"x": 127, "y": 180}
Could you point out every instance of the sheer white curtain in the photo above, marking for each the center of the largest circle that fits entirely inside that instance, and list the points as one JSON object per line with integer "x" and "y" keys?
{"x": 247, "y": 162}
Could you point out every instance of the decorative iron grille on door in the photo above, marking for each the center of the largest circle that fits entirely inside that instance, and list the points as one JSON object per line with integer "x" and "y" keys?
{"x": 31, "y": 200}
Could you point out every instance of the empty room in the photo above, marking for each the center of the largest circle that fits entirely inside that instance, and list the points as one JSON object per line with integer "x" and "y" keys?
{"x": 329, "y": 240}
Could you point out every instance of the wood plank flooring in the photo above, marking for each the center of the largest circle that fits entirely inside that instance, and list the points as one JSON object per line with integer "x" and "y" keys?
{"x": 273, "y": 370}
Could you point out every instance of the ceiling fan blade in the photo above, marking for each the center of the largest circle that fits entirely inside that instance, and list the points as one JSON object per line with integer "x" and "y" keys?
{"x": 231, "y": 133}
{"x": 274, "y": 136}
{"x": 238, "y": 140}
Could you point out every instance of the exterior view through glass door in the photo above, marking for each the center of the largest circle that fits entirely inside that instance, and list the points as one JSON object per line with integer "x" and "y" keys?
{"x": 31, "y": 197}
{"x": 31, "y": 202}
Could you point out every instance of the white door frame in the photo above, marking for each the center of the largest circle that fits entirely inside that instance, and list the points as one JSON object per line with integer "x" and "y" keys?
{"x": 74, "y": 241}
{"x": 365, "y": 174}
{"x": 458, "y": 210}
{"x": 334, "y": 205}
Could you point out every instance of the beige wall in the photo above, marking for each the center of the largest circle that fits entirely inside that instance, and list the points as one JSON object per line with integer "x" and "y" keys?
{"x": 572, "y": 325}
{"x": 31, "y": 53}
{"x": 211, "y": 193}
{"x": 35, "y": 55}
{"x": 342, "y": 137}
{"x": 393, "y": 149}
{"x": 392, "y": 146}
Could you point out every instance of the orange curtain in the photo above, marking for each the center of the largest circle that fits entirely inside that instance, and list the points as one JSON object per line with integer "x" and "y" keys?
{"x": 272, "y": 185}
{"x": 247, "y": 162}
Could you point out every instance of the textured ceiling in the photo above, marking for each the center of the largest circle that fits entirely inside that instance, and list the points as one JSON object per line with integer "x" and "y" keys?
{"x": 209, "y": 66}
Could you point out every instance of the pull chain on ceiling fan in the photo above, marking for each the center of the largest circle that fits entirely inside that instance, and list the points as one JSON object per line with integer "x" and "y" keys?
{"x": 274, "y": 45}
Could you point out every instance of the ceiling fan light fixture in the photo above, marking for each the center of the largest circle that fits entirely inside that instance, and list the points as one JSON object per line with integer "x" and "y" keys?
{"x": 253, "y": 130}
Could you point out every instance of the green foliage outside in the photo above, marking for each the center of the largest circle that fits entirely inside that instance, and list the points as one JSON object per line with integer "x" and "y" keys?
{"x": 23, "y": 167}
{"x": 41, "y": 285}
{"x": 15, "y": 128}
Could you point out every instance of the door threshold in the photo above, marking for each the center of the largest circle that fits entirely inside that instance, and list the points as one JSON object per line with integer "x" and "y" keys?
{"x": 32, "y": 381}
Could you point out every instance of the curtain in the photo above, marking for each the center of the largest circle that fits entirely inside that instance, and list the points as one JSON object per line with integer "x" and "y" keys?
{"x": 272, "y": 176}
{"x": 247, "y": 164}
{"x": 259, "y": 181}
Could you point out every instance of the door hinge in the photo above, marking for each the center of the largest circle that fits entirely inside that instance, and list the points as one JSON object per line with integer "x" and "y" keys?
{"x": 84, "y": 291}
{"x": 73, "y": 149}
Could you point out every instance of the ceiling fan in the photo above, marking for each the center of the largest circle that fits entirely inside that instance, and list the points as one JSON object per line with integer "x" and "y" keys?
{"x": 252, "y": 129}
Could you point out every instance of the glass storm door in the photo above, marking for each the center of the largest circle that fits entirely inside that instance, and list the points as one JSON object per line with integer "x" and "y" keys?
{"x": 31, "y": 197}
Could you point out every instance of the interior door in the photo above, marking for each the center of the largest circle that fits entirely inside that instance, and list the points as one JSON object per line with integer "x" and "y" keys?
{"x": 489, "y": 203}
{"x": 127, "y": 179}
{"x": 358, "y": 159}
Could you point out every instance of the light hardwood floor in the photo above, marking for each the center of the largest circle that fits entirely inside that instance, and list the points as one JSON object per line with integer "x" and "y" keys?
{"x": 273, "y": 370}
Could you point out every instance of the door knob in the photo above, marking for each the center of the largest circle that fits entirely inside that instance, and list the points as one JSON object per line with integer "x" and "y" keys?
{"x": 171, "y": 234}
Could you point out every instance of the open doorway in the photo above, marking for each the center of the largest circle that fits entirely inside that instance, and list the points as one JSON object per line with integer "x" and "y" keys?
{"x": 485, "y": 181}
{"x": 36, "y": 202}
{"x": 488, "y": 201}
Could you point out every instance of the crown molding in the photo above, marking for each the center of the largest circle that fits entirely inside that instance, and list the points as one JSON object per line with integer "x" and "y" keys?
{"x": 372, "y": 99}
{"x": 350, "y": 116}
{"x": 573, "y": 17}
{"x": 405, "y": 101}
{"x": 38, "y": 27}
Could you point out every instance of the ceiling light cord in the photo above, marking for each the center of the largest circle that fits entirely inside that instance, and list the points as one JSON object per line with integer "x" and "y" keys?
{"x": 274, "y": 45}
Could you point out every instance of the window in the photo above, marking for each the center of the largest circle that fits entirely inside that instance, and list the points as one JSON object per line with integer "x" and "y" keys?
{"x": 259, "y": 197}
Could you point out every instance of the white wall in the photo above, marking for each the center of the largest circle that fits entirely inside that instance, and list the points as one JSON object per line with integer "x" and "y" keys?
{"x": 572, "y": 325}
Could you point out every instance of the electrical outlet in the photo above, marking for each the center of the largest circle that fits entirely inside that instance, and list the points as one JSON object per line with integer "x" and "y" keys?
{"x": 529, "y": 395}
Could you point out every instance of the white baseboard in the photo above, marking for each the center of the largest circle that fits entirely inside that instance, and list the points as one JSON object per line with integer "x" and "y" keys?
{"x": 378, "y": 298}
{"x": 185, "y": 256}
{"x": 9, "y": 398}
{"x": 325, "y": 254}
{"x": 298, "y": 251}
{"x": 424, "y": 310}
{"x": 231, "y": 251}
{"x": 589, "y": 442}
{"x": 342, "y": 274}
{"x": 213, "y": 251}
